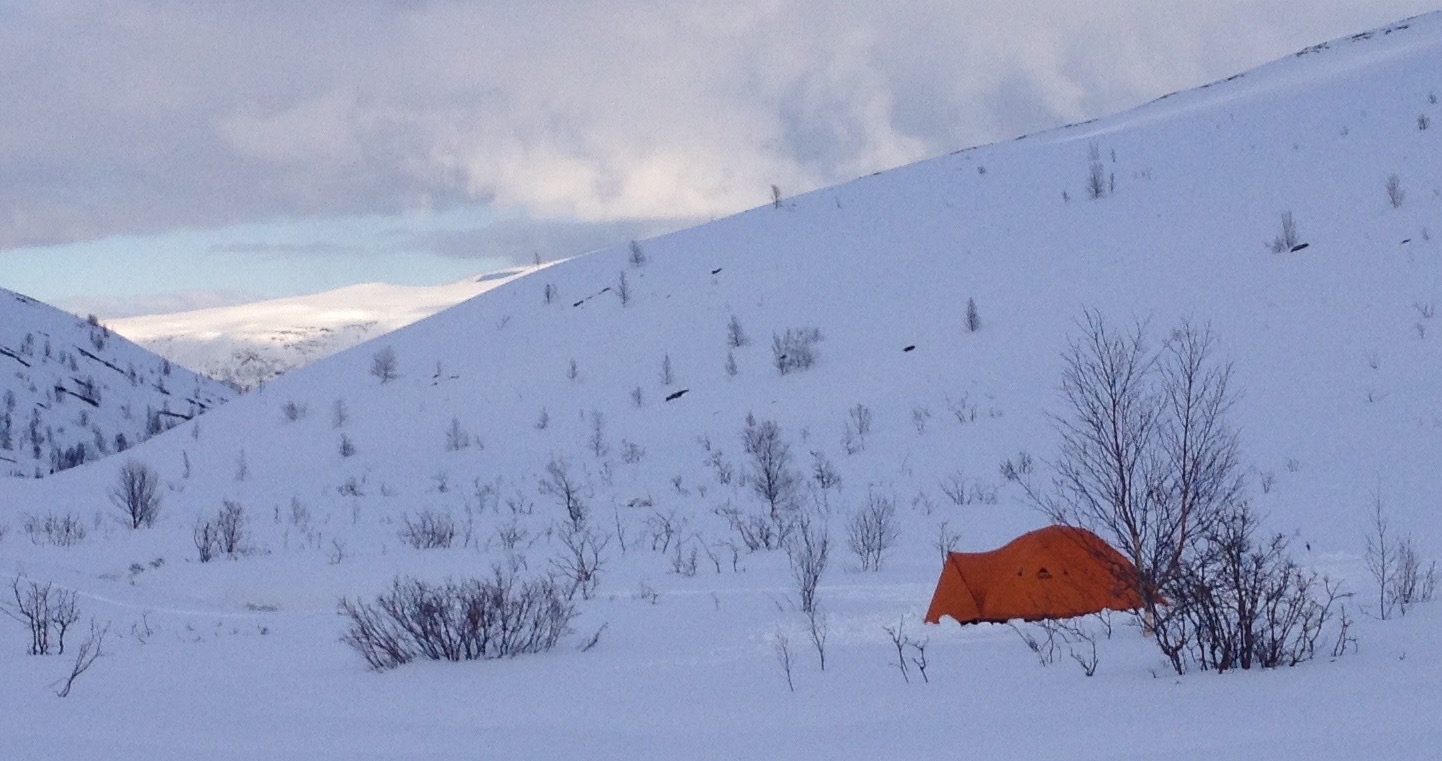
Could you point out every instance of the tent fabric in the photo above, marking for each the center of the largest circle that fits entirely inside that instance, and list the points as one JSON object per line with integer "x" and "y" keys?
{"x": 1053, "y": 572}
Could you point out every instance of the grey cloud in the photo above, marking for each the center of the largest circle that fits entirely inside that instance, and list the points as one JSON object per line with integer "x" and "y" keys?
{"x": 149, "y": 115}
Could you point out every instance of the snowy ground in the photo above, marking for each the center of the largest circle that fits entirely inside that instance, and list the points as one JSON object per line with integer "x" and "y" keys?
{"x": 1335, "y": 356}
{"x": 249, "y": 344}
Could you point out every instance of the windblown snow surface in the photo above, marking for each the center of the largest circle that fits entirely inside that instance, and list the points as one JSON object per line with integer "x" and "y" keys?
{"x": 1336, "y": 358}
{"x": 249, "y": 344}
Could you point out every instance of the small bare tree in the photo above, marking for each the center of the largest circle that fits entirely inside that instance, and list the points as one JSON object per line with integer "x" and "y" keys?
{"x": 873, "y": 530}
{"x": 46, "y": 611}
{"x": 808, "y": 549}
{"x": 568, "y": 491}
{"x": 384, "y": 365}
{"x": 90, "y": 650}
{"x": 1395, "y": 194}
{"x": 137, "y": 494}
{"x": 735, "y": 335}
{"x": 772, "y": 476}
{"x": 973, "y": 319}
{"x": 1288, "y": 240}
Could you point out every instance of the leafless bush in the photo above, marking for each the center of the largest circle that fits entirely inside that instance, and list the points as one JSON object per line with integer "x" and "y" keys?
{"x": 137, "y": 494}
{"x": 225, "y": 534}
{"x": 668, "y": 376}
{"x": 1288, "y": 240}
{"x": 782, "y": 647}
{"x": 872, "y": 530}
{"x": 807, "y": 551}
{"x": 293, "y": 411}
{"x": 818, "y": 627}
{"x": 566, "y": 489}
{"x": 430, "y": 529}
{"x": 664, "y": 529}
{"x": 973, "y": 320}
{"x": 909, "y": 652}
{"x": 496, "y": 617}
{"x": 757, "y": 531}
{"x": 1096, "y": 173}
{"x": 581, "y": 560}
{"x": 384, "y": 365}
{"x": 946, "y": 540}
{"x": 1412, "y": 584}
{"x": 623, "y": 288}
{"x": 1395, "y": 194}
{"x": 795, "y": 349}
{"x": 858, "y": 427}
{"x": 90, "y": 650}
{"x": 46, "y": 611}
{"x": 1242, "y": 604}
{"x": 735, "y": 334}
{"x": 63, "y": 530}
{"x": 637, "y": 257}
{"x": 456, "y": 437}
{"x": 772, "y": 477}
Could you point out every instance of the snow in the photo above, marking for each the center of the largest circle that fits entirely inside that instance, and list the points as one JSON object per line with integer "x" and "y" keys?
{"x": 249, "y": 344}
{"x": 1338, "y": 369}
{"x": 73, "y": 389}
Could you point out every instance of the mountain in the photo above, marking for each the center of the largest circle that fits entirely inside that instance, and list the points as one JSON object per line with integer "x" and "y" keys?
{"x": 74, "y": 392}
{"x": 249, "y": 344}
{"x": 621, "y": 391}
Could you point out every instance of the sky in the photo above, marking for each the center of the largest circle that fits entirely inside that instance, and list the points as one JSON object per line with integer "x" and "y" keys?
{"x": 159, "y": 154}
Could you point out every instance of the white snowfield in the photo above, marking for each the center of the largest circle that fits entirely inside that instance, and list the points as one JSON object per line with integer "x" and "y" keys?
{"x": 1337, "y": 361}
{"x": 250, "y": 344}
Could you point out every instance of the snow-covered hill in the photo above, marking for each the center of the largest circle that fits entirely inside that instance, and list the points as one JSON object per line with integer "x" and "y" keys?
{"x": 249, "y": 344}
{"x": 617, "y": 372}
{"x": 74, "y": 392}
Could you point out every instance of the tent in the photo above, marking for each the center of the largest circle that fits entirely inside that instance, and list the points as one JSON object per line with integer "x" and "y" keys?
{"x": 1054, "y": 572}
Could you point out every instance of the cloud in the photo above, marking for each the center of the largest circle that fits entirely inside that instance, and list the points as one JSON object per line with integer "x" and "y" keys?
{"x": 158, "y": 114}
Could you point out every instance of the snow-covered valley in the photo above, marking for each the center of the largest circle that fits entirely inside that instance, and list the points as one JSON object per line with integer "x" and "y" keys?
{"x": 626, "y": 372}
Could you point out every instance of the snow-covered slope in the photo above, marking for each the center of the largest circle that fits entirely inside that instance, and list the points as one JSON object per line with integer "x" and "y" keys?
{"x": 74, "y": 392}
{"x": 249, "y": 344}
{"x": 635, "y": 400}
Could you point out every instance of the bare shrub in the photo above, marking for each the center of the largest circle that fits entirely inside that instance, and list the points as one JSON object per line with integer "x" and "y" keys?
{"x": 1288, "y": 240}
{"x": 293, "y": 411}
{"x": 781, "y": 645}
{"x": 807, "y": 551}
{"x": 1396, "y": 567}
{"x": 137, "y": 494}
{"x": 637, "y": 256}
{"x": 46, "y": 611}
{"x": 567, "y": 490}
{"x": 581, "y": 560}
{"x": 1395, "y": 194}
{"x": 384, "y": 365}
{"x": 735, "y": 335}
{"x": 497, "y": 617}
{"x": 795, "y": 349}
{"x": 909, "y": 652}
{"x": 757, "y": 531}
{"x": 872, "y": 530}
{"x": 90, "y": 650}
{"x": 1412, "y": 584}
{"x": 973, "y": 319}
{"x": 771, "y": 475}
{"x": 456, "y": 437}
{"x": 1241, "y": 603}
{"x": 225, "y": 534}
{"x": 62, "y": 530}
{"x": 623, "y": 289}
{"x": 429, "y": 529}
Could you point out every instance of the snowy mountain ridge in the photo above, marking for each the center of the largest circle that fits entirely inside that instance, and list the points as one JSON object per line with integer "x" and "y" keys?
{"x": 249, "y": 344}
{"x": 74, "y": 392}
{"x": 600, "y": 412}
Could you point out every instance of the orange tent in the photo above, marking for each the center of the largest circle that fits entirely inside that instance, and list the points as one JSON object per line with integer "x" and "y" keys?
{"x": 1054, "y": 572}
